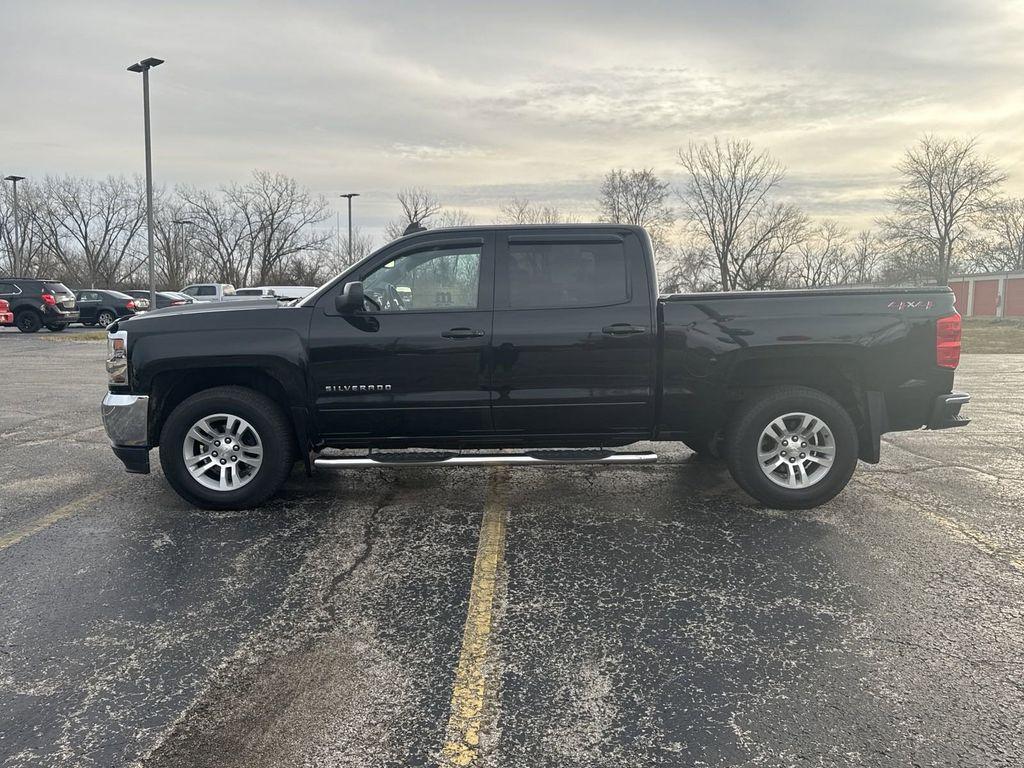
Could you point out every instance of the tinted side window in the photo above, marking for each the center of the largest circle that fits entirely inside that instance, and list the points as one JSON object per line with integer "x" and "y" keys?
{"x": 438, "y": 279}
{"x": 6, "y": 288}
{"x": 542, "y": 275}
{"x": 206, "y": 290}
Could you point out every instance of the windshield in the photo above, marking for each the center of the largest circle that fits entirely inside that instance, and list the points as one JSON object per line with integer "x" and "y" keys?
{"x": 55, "y": 288}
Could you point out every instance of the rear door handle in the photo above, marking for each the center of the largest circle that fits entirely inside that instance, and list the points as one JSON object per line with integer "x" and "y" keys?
{"x": 622, "y": 329}
{"x": 461, "y": 333}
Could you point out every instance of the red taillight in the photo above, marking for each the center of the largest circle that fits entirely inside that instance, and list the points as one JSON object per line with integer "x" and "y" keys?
{"x": 130, "y": 305}
{"x": 948, "y": 331}
{"x": 48, "y": 299}
{"x": 4, "y": 306}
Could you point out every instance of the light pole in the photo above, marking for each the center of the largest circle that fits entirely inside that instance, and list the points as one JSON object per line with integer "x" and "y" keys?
{"x": 144, "y": 66}
{"x": 179, "y": 224}
{"x": 350, "y": 195}
{"x": 17, "y": 231}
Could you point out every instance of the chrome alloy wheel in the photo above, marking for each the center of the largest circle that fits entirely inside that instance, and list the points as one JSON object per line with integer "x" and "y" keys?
{"x": 796, "y": 450}
{"x": 222, "y": 452}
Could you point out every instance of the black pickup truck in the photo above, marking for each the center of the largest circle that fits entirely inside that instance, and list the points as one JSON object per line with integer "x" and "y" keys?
{"x": 549, "y": 343}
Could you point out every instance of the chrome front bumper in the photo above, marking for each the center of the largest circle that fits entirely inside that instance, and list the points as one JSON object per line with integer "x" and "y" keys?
{"x": 126, "y": 419}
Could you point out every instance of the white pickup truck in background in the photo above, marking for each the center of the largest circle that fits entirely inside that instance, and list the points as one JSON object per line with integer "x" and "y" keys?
{"x": 212, "y": 292}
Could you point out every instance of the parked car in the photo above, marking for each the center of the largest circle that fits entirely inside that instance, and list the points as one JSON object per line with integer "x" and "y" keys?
{"x": 6, "y": 316}
{"x": 529, "y": 338}
{"x": 211, "y": 292}
{"x": 37, "y": 302}
{"x": 163, "y": 299}
{"x": 102, "y": 307}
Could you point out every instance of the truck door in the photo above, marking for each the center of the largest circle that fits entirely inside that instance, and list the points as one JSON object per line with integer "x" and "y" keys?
{"x": 414, "y": 364}
{"x": 574, "y": 337}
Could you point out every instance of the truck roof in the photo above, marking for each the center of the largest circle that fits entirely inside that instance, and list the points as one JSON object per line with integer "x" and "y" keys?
{"x": 533, "y": 227}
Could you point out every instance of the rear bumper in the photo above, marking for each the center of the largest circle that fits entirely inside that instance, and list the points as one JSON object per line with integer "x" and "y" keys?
{"x": 946, "y": 411}
{"x": 53, "y": 314}
{"x": 126, "y": 420}
{"x": 6, "y": 318}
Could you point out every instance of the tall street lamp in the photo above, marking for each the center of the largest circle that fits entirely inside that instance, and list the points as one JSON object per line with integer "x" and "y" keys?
{"x": 144, "y": 66}
{"x": 17, "y": 231}
{"x": 350, "y": 195}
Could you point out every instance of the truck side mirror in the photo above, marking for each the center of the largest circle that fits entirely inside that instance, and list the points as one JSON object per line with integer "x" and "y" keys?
{"x": 350, "y": 300}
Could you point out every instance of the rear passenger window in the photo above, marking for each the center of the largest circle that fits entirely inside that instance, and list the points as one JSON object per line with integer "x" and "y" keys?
{"x": 546, "y": 275}
{"x": 206, "y": 290}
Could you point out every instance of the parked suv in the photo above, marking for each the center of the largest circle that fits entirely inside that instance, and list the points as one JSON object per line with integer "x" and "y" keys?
{"x": 104, "y": 307}
{"x": 39, "y": 302}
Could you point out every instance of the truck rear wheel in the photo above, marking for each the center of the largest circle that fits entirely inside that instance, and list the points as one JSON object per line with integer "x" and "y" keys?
{"x": 226, "y": 448}
{"x": 792, "y": 447}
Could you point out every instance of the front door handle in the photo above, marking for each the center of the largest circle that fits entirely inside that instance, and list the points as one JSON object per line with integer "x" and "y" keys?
{"x": 622, "y": 329}
{"x": 462, "y": 333}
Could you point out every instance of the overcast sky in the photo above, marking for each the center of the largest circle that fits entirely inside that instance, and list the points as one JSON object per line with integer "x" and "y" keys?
{"x": 481, "y": 101}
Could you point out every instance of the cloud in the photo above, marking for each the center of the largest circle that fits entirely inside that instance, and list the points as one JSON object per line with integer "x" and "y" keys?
{"x": 481, "y": 101}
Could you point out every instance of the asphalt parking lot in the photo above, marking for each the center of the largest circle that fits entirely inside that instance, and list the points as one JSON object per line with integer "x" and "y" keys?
{"x": 507, "y": 617}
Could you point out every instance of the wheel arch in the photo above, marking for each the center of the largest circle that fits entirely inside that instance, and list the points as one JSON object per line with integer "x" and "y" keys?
{"x": 170, "y": 388}
{"x": 838, "y": 375}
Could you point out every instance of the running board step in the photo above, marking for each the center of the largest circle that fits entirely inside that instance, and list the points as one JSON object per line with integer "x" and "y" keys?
{"x": 442, "y": 459}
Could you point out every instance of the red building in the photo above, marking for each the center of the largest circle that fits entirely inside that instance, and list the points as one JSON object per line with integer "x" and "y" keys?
{"x": 998, "y": 294}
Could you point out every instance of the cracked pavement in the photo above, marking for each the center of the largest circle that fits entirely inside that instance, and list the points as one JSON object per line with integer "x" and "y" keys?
{"x": 641, "y": 616}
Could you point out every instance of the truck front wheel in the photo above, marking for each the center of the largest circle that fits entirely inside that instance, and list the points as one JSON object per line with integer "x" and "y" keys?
{"x": 226, "y": 448}
{"x": 792, "y": 447}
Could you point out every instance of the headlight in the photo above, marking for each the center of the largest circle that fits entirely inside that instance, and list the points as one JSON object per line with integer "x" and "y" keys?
{"x": 117, "y": 357}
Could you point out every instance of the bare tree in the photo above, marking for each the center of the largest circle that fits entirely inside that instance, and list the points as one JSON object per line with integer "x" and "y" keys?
{"x": 946, "y": 191}
{"x": 92, "y": 228}
{"x": 336, "y": 257}
{"x": 637, "y": 197}
{"x": 523, "y": 211}
{"x": 280, "y": 222}
{"x": 419, "y": 206}
{"x": 251, "y": 234}
{"x": 1005, "y": 223}
{"x": 21, "y": 250}
{"x": 822, "y": 259}
{"x": 453, "y": 217}
{"x": 867, "y": 256}
{"x": 730, "y": 210}
{"x": 215, "y": 236}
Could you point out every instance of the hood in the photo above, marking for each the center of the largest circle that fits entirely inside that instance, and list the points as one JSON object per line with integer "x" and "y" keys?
{"x": 195, "y": 311}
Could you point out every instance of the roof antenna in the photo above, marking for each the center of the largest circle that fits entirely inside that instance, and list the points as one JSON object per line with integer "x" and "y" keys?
{"x": 414, "y": 227}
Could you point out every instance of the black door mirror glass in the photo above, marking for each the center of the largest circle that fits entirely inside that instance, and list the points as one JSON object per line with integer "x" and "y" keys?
{"x": 350, "y": 300}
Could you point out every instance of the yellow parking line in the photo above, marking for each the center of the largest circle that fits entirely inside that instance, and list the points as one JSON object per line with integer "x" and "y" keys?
{"x": 472, "y": 688}
{"x": 44, "y": 522}
{"x": 976, "y": 539}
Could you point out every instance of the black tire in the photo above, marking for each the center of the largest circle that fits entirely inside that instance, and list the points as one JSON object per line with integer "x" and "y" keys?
{"x": 105, "y": 318}
{"x": 268, "y": 420}
{"x": 57, "y": 327}
{"x": 744, "y": 438}
{"x": 28, "y": 321}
